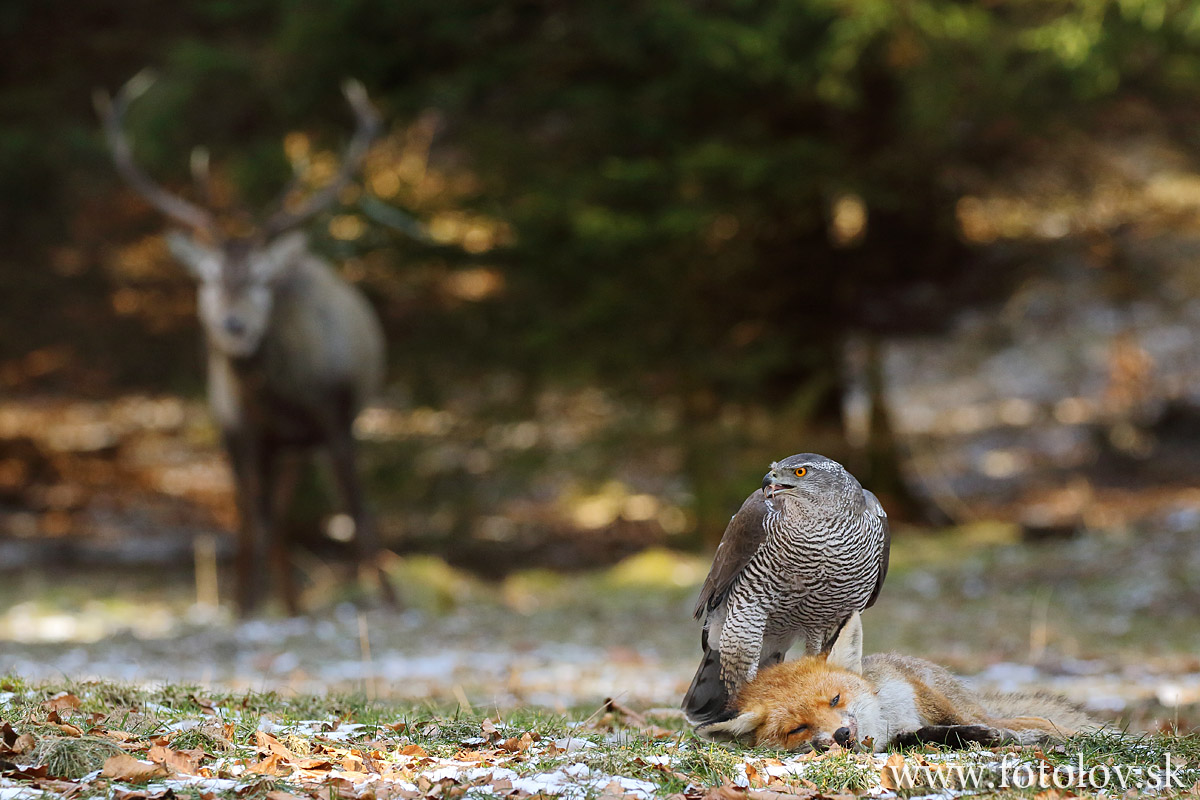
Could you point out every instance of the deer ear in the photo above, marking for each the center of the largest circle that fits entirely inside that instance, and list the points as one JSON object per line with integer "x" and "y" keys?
{"x": 846, "y": 650}
{"x": 742, "y": 728}
{"x": 201, "y": 261}
{"x": 281, "y": 252}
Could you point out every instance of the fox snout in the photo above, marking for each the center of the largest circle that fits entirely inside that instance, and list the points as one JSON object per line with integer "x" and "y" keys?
{"x": 844, "y": 736}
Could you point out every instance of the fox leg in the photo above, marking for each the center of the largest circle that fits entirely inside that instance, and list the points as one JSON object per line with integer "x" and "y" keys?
{"x": 959, "y": 737}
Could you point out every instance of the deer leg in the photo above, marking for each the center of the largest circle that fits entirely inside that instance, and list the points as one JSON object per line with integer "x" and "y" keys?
{"x": 246, "y": 459}
{"x": 285, "y": 476}
{"x": 342, "y": 451}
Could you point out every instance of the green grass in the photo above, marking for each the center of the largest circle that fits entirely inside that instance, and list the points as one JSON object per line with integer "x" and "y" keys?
{"x": 73, "y": 756}
{"x": 842, "y": 772}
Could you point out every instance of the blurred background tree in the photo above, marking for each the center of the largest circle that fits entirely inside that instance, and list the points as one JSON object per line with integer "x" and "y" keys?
{"x": 697, "y": 201}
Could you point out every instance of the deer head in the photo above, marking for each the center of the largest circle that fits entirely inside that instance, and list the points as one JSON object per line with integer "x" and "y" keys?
{"x": 236, "y": 274}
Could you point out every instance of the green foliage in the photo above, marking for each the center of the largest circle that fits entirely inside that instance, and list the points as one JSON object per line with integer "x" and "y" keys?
{"x": 668, "y": 168}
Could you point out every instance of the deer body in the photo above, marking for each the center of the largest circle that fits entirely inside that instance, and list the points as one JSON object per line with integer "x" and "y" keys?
{"x": 290, "y": 370}
{"x": 294, "y": 352}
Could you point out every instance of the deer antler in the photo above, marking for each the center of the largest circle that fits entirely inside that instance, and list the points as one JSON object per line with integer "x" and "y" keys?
{"x": 368, "y": 125}
{"x": 112, "y": 112}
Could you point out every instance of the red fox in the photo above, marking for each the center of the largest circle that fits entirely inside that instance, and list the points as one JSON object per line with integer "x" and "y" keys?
{"x": 881, "y": 700}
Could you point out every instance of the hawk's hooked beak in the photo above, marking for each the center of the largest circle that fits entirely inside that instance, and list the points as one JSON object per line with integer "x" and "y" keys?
{"x": 770, "y": 487}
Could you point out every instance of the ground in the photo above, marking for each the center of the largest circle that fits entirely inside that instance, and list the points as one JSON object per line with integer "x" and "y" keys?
{"x": 359, "y": 700}
{"x": 102, "y": 739}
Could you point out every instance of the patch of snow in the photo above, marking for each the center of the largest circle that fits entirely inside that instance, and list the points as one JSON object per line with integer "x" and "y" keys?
{"x": 452, "y": 770}
{"x": 578, "y": 781}
{"x": 197, "y": 782}
{"x": 20, "y": 793}
{"x": 343, "y": 732}
{"x": 185, "y": 725}
{"x": 791, "y": 767}
{"x": 497, "y": 773}
{"x": 571, "y": 744}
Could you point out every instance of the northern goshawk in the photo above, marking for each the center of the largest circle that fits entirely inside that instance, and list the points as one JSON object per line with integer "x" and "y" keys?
{"x": 801, "y": 555}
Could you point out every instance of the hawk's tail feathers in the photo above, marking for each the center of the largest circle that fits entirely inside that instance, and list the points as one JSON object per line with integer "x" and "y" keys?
{"x": 707, "y": 700}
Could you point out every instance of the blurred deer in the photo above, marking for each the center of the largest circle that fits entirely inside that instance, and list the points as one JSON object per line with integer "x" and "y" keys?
{"x": 294, "y": 351}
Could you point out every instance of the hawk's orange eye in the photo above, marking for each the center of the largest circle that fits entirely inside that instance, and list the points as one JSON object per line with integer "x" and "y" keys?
{"x": 801, "y": 472}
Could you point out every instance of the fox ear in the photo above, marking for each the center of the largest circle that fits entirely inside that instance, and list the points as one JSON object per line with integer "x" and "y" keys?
{"x": 846, "y": 650}
{"x": 741, "y": 728}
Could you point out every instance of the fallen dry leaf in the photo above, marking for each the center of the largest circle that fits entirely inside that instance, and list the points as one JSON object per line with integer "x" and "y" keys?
{"x": 271, "y": 765}
{"x": 279, "y": 794}
{"x": 777, "y": 794}
{"x": 54, "y": 719}
{"x": 892, "y": 777}
{"x": 517, "y": 744}
{"x": 205, "y": 704}
{"x": 414, "y": 750}
{"x": 726, "y": 792}
{"x": 13, "y": 743}
{"x": 1054, "y": 794}
{"x": 141, "y": 794}
{"x": 267, "y": 743}
{"x": 658, "y": 732}
{"x": 124, "y": 767}
{"x": 24, "y": 744}
{"x": 23, "y": 773}
{"x": 61, "y": 788}
{"x": 613, "y": 791}
{"x": 176, "y": 761}
{"x": 344, "y": 788}
{"x": 63, "y": 701}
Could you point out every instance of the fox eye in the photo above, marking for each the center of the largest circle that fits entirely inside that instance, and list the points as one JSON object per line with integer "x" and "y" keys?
{"x": 801, "y": 472}
{"x": 837, "y": 698}
{"x": 797, "y": 729}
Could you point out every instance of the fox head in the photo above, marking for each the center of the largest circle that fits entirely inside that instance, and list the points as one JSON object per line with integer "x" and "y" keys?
{"x": 812, "y": 702}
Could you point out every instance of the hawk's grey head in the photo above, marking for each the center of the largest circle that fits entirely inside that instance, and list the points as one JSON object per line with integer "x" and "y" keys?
{"x": 810, "y": 479}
